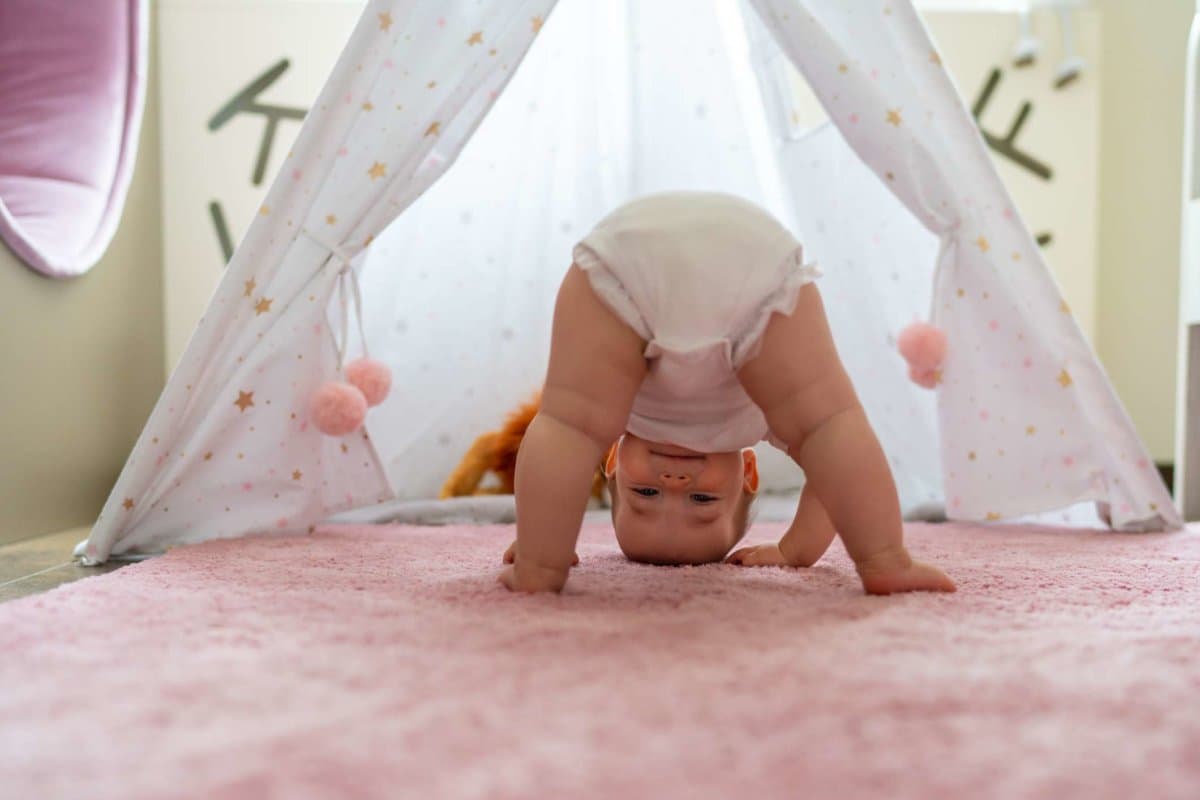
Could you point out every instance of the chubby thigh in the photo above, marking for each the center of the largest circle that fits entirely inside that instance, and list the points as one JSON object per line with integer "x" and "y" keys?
{"x": 597, "y": 363}
{"x": 797, "y": 378}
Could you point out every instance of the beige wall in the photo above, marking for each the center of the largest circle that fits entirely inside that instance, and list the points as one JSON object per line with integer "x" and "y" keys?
{"x": 81, "y": 364}
{"x": 1141, "y": 142}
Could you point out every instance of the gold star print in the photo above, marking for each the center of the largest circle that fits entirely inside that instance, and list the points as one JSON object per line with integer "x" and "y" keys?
{"x": 1063, "y": 307}
{"x": 265, "y": 210}
{"x": 250, "y": 286}
{"x": 245, "y": 400}
{"x": 331, "y": 219}
{"x": 345, "y": 449}
{"x": 982, "y": 244}
{"x": 431, "y": 84}
{"x": 433, "y": 129}
{"x": 262, "y": 306}
{"x": 476, "y": 38}
{"x": 1064, "y": 379}
{"x": 492, "y": 52}
{"x": 385, "y": 21}
{"x": 937, "y": 377}
{"x": 536, "y": 23}
{"x": 992, "y": 516}
{"x": 208, "y": 456}
{"x": 971, "y": 456}
{"x": 368, "y": 240}
{"x": 128, "y": 504}
{"x": 1030, "y": 430}
{"x": 368, "y": 106}
{"x": 297, "y": 475}
{"x": 377, "y": 170}
{"x": 842, "y": 68}
{"x": 934, "y": 58}
{"x": 893, "y": 117}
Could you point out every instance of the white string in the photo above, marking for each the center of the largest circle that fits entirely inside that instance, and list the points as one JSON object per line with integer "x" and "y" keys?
{"x": 346, "y": 269}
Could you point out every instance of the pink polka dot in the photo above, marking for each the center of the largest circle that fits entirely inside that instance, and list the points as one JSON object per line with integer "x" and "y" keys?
{"x": 875, "y": 74}
{"x": 1142, "y": 463}
{"x": 1068, "y": 461}
{"x": 441, "y": 22}
{"x": 1027, "y": 363}
{"x": 349, "y": 497}
{"x": 957, "y": 502}
{"x": 389, "y": 64}
{"x": 247, "y": 486}
{"x": 342, "y": 151}
{"x": 317, "y": 329}
{"x": 1125, "y": 509}
{"x": 983, "y": 415}
{"x": 994, "y": 325}
{"x": 297, "y": 174}
{"x": 281, "y": 522}
{"x": 854, "y": 119}
{"x": 1008, "y": 213}
{"x": 303, "y": 427}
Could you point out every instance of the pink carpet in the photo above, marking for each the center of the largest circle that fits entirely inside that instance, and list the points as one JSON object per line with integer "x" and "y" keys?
{"x": 385, "y": 662}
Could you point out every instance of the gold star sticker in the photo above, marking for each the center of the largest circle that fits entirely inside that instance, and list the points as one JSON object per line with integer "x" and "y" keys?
{"x": 385, "y": 21}
{"x": 262, "y": 306}
{"x": 433, "y": 129}
{"x": 536, "y": 23}
{"x": 345, "y": 449}
{"x": 992, "y": 516}
{"x": 893, "y": 117}
{"x": 934, "y": 58}
{"x": 982, "y": 244}
{"x": 368, "y": 106}
{"x": 961, "y": 292}
{"x": 937, "y": 377}
{"x": 245, "y": 400}
{"x": 1063, "y": 307}
{"x": 431, "y": 84}
{"x": 842, "y": 68}
{"x": 1016, "y": 256}
{"x": 128, "y": 504}
{"x": 492, "y": 52}
{"x": 266, "y": 209}
{"x": 208, "y": 456}
{"x": 368, "y": 240}
{"x": 331, "y": 219}
{"x": 1030, "y": 430}
{"x": 1064, "y": 379}
{"x": 377, "y": 170}
{"x": 476, "y": 38}
{"x": 971, "y": 456}
{"x": 250, "y": 287}
{"x": 297, "y": 475}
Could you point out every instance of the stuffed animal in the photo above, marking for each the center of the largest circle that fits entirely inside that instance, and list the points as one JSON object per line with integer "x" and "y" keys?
{"x": 495, "y": 452}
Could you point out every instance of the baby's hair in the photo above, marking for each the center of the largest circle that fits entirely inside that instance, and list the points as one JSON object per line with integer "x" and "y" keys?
{"x": 743, "y": 515}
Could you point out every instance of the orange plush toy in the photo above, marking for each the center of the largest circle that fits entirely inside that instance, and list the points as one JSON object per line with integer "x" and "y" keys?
{"x": 495, "y": 452}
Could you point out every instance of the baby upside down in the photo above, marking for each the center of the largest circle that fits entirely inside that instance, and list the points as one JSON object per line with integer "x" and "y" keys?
{"x": 687, "y": 330}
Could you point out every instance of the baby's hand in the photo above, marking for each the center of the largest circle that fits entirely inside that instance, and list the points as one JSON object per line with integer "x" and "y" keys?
{"x": 758, "y": 555}
{"x": 527, "y": 577}
{"x": 511, "y": 553}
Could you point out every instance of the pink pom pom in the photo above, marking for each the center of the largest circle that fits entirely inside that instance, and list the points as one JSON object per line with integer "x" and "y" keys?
{"x": 373, "y": 379}
{"x": 923, "y": 346}
{"x": 927, "y": 378}
{"x": 338, "y": 408}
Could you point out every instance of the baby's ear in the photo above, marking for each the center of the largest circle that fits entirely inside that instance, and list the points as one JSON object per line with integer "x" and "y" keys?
{"x": 750, "y": 467}
{"x": 610, "y": 461}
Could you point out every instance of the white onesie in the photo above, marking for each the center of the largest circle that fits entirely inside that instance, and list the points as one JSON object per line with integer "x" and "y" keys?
{"x": 697, "y": 275}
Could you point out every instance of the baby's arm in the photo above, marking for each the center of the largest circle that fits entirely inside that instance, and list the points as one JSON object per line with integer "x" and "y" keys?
{"x": 803, "y": 544}
{"x": 808, "y": 400}
{"x": 596, "y": 368}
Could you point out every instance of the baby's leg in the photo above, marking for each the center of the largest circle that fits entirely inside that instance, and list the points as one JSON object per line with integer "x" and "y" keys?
{"x": 596, "y": 368}
{"x": 803, "y": 389}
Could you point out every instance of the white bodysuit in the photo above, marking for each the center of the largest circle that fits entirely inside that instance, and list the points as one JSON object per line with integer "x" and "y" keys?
{"x": 697, "y": 275}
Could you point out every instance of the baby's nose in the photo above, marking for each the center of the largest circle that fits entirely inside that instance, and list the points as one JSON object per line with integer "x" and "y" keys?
{"x": 675, "y": 478}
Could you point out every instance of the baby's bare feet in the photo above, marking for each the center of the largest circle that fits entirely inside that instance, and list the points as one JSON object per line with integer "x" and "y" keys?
{"x": 894, "y": 571}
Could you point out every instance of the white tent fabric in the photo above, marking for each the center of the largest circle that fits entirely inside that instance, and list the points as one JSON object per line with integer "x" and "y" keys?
{"x": 1024, "y": 420}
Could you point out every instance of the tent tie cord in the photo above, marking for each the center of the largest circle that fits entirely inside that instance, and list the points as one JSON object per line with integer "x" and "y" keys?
{"x": 346, "y": 274}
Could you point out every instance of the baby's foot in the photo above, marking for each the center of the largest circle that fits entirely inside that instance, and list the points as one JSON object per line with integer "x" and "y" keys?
{"x": 510, "y": 555}
{"x": 758, "y": 555}
{"x": 895, "y": 571}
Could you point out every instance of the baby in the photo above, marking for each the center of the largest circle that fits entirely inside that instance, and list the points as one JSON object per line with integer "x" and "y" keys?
{"x": 687, "y": 330}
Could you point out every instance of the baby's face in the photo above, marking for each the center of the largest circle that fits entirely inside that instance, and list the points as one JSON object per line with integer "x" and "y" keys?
{"x": 672, "y": 505}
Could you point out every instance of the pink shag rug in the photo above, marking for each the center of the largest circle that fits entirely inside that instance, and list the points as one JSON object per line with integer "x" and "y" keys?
{"x": 386, "y": 662}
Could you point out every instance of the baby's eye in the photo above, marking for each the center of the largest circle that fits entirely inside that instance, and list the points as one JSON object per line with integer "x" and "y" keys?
{"x": 646, "y": 492}
{"x": 703, "y": 498}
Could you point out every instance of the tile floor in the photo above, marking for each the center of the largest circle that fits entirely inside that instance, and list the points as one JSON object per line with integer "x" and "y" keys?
{"x": 39, "y": 564}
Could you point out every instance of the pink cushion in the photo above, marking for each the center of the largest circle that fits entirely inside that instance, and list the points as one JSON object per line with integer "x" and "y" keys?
{"x": 71, "y": 94}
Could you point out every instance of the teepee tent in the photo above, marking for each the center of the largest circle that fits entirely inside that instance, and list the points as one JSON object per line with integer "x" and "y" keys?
{"x": 550, "y": 121}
